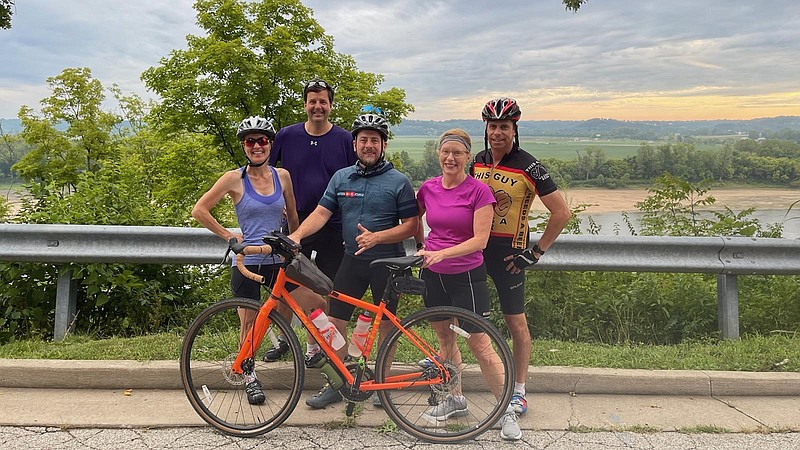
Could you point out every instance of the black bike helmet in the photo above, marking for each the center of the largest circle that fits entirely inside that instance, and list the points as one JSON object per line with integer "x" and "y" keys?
{"x": 502, "y": 108}
{"x": 373, "y": 120}
{"x": 255, "y": 124}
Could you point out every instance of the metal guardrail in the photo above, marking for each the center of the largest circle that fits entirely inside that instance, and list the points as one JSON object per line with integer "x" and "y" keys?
{"x": 727, "y": 257}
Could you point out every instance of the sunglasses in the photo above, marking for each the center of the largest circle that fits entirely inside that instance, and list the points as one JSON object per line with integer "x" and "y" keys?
{"x": 367, "y": 109}
{"x": 250, "y": 142}
{"x": 317, "y": 83}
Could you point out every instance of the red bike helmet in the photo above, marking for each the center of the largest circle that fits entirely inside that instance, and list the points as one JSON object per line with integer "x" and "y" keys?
{"x": 503, "y": 108}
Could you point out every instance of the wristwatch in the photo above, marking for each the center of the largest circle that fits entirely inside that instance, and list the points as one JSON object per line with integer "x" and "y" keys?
{"x": 537, "y": 249}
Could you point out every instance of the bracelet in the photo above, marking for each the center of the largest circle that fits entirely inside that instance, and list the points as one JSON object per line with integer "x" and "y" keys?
{"x": 537, "y": 249}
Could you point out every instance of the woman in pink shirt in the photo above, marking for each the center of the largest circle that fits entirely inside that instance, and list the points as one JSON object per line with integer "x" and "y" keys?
{"x": 459, "y": 211}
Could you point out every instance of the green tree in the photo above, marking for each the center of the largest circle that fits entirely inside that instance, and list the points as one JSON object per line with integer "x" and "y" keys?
{"x": 12, "y": 148}
{"x": 254, "y": 59}
{"x": 6, "y": 10}
{"x": 139, "y": 178}
{"x": 672, "y": 208}
{"x": 574, "y": 5}
{"x": 58, "y": 157}
{"x": 591, "y": 161}
{"x": 429, "y": 165}
{"x": 676, "y": 207}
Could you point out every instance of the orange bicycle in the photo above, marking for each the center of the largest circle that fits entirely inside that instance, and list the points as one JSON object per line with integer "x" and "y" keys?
{"x": 429, "y": 356}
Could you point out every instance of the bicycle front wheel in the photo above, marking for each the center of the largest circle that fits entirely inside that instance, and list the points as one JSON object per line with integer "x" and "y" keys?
{"x": 218, "y": 394}
{"x": 475, "y": 369}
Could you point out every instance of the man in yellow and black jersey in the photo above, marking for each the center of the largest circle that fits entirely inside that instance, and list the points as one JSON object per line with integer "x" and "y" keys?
{"x": 516, "y": 178}
{"x": 515, "y": 182}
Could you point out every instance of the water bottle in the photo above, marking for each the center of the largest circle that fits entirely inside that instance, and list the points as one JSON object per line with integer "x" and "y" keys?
{"x": 328, "y": 330}
{"x": 330, "y": 373}
{"x": 359, "y": 338}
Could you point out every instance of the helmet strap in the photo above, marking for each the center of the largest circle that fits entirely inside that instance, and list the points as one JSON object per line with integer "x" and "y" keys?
{"x": 250, "y": 164}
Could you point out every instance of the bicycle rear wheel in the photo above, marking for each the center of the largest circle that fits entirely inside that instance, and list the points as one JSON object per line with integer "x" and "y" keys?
{"x": 478, "y": 365}
{"x": 216, "y": 393}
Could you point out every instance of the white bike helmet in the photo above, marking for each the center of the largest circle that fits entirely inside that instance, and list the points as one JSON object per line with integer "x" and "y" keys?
{"x": 255, "y": 124}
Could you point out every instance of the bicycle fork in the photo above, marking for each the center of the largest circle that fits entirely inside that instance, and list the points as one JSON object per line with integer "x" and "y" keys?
{"x": 254, "y": 336}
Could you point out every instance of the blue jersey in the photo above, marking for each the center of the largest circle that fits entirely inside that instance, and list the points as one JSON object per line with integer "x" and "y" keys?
{"x": 377, "y": 201}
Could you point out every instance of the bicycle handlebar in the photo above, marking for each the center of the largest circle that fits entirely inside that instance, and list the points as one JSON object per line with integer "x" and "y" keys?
{"x": 275, "y": 242}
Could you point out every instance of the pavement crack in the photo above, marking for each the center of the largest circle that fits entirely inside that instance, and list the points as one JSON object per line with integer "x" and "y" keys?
{"x": 731, "y": 405}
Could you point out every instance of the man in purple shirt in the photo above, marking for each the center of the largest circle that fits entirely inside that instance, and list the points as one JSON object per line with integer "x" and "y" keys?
{"x": 312, "y": 151}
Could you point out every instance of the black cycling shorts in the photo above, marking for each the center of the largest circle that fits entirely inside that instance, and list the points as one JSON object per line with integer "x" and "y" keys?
{"x": 510, "y": 287}
{"x": 466, "y": 290}
{"x": 329, "y": 247}
{"x": 353, "y": 278}
{"x": 247, "y": 288}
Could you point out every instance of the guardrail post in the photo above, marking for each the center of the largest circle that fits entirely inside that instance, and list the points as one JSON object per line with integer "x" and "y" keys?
{"x": 728, "y": 306}
{"x": 66, "y": 303}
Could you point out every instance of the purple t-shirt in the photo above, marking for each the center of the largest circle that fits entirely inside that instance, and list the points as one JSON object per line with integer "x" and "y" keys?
{"x": 450, "y": 215}
{"x": 312, "y": 161}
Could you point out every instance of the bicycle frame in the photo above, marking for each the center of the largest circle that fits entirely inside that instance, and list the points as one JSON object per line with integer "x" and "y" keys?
{"x": 279, "y": 292}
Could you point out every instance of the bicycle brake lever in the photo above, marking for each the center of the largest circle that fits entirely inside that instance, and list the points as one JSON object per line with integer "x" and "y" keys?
{"x": 234, "y": 245}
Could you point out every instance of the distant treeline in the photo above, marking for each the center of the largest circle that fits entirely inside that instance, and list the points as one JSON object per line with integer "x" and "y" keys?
{"x": 764, "y": 161}
{"x": 787, "y": 127}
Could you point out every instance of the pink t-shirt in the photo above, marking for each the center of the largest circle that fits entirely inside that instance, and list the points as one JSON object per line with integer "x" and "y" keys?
{"x": 450, "y": 214}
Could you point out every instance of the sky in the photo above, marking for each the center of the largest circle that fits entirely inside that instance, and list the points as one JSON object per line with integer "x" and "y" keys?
{"x": 620, "y": 59}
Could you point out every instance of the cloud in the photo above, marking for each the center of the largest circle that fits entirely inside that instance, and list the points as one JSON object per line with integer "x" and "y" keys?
{"x": 613, "y": 57}
{"x": 116, "y": 40}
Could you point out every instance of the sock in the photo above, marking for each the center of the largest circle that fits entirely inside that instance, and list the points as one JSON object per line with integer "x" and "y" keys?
{"x": 519, "y": 388}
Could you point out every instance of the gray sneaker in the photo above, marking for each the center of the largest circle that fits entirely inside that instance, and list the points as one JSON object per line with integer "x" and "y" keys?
{"x": 509, "y": 427}
{"x": 376, "y": 401}
{"x": 327, "y": 396}
{"x": 450, "y": 407}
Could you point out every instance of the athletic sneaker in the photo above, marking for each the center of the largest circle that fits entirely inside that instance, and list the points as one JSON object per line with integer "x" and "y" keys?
{"x": 450, "y": 407}
{"x": 255, "y": 394}
{"x": 426, "y": 362}
{"x": 327, "y": 396}
{"x": 313, "y": 357}
{"x": 509, "y": 426}
{"x": 519, "y": 403}
{"x": 275, "y": 353}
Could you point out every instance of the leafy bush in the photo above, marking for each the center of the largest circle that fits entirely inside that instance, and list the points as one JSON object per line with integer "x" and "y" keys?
{"x": 112, "y": 299}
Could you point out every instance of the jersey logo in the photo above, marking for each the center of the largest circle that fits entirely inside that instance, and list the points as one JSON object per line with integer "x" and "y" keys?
{"x": 349, "y": 194}
{"x": 314, "y": 143}
{"x": 503, "y": 199}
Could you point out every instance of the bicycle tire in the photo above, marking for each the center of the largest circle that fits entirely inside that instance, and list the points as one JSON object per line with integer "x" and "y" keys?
{"x": 413, "y": 409}
{"x": 218, "y": 395}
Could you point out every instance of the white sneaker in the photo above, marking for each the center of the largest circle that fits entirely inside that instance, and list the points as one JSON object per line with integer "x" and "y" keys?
{"x": 509, "y": 427}
{"x": 451, "y": 406}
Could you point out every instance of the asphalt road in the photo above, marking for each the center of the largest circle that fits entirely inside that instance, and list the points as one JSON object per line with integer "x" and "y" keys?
{"x": 12, "y": 438}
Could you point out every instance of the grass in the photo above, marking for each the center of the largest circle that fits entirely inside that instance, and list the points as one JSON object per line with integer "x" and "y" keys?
{"x": 779, "y": 353}
{"x": 542, "y": 147}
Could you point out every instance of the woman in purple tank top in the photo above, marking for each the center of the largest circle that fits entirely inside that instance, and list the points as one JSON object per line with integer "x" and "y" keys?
{"x": 261, "y": 194}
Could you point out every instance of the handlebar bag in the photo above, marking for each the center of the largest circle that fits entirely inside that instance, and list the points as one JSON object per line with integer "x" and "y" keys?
{"x": 302, "y": 270}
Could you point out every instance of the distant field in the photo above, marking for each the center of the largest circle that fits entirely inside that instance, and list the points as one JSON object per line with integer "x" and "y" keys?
{"x": 541, "y": 147}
